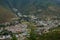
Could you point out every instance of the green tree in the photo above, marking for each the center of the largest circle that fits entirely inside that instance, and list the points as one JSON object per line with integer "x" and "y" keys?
{"x": 14, "y": 37}
{"x": 2, "y": 26}
{"x": 33, "y": 34}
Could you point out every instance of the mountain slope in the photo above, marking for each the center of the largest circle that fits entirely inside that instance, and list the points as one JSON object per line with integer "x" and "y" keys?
{"x": 6, "y": 15}
{"x": 32, "y": 6}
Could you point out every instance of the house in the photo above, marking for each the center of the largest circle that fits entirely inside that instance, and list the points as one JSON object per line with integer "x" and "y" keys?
{"x": 17, "y": 28}
{"x": 3, "y": 37}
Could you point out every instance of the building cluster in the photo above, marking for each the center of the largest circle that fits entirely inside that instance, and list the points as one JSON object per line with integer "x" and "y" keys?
{"x": 42, "y": 26}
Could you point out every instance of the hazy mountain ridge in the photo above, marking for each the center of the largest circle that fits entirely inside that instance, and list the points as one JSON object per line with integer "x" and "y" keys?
{"x": 33, "y": 6}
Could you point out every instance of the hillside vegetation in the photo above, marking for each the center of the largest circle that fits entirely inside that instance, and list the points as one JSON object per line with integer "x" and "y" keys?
{"x": 6, "y": 15}
{"x": 35, "y": 7}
